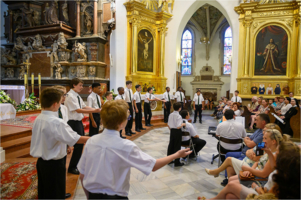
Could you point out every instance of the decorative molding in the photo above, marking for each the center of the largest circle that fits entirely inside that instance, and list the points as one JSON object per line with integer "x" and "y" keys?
{"x": 275, "y": 13}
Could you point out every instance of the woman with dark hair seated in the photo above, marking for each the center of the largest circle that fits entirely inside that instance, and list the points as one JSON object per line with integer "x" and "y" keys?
{"x": 286, "y": 106}
{"x": 286, "y": 128}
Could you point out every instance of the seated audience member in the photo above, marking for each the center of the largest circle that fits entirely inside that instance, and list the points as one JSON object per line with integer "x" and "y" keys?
{"x": 108, "y": 96}
{"x": 271, "y": 102}
{"x": 198, "y": 143}
{"x": 286, "y": 106}
{"x": 276, "y": 102}
{"x": 264, "y": 108}
{"x": 217, "y": 108}
{"x": 236, "y": 98}
{"x": 283, "y": 182}
{"x": 280, "y": 104}
{"x": 236, "y": 109}
{"x": 211, "y": 103}
{"x": 291, "y": 95}
{"x": 286, "y": 128}
{"x": 206, "y": 103}
{"x": 105, "y": 165}
{"x": 232, "y": 130}
{"x": 254, "y": 104}
{"x": 227, "y": 107}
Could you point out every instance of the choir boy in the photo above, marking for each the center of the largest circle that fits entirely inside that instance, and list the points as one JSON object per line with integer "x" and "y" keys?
{"x": 175, "y": 124}
{"x": 128, "y": 97}
{"x": 50, "y": 137}
{"x": 105, "y": 167}
{"x": 167, "y": 104}
{"x": 138, "y": 109}
{"x": 94, "y": 101}
{"x": 109, "y": 96}
{"x": 147, "y": 109}
{"x": 180, "y": 97}
{"x": 76, "y": 109}
{"x": 120, "y": 96}
{"x": 198, "y": 106}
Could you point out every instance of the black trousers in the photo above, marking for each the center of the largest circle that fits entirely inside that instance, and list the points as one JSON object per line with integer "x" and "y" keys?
{"x": 138, "y": 117}
{"x": 167, "y": 111}
{"x": 224, "y": 151}
{"x": 198, "y": 144}
{"x": 51, "y": 179}
{"x": 198, "y": 111}
{"x": 182, "y": 107}
{"x": 78, "y": 127}
{"x": 129, "y": 125}
{"x": 104, "y": 196}
{"x": 92, "y": 130}
{"x": 175, "y": 141}
{"x": 147, "y": 113}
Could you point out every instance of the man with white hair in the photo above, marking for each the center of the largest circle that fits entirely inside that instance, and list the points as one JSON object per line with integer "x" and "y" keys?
{"x": 228, "y": 106}
{"x": 254, "y": 104}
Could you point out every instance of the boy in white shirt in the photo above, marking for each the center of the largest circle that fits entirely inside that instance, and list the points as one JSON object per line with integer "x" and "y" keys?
{"x": 76, "y": 108}
{"x": 198, "y": 143}
{"x": 236, "y": 98}
{"x": 138, "y": 109}
{"x": 180, "y": 97}
{"x": 109, "y": 96}
{"x": 120, "y": 96}
{"x": 167, "y": 105}
{"x": 198, "y": 106}
{"x": 50, "y": 134}
{"x": 175, "y": 124}
{"x": 107, "y": 176}
{"x": 128, "y": 97}
{"x": 94, "y": 101}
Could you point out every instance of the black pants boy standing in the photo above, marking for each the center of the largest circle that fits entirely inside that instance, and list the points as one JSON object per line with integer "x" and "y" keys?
{"x": 92, "y": 130}
{"x": 198, "y": 110}
{"x": 174, "y": 143}
{"x": 167, "y": 111}
{"x": 147, "y": 113}
{"x": 129, "y": 125}
{"x": 138, "y": 117}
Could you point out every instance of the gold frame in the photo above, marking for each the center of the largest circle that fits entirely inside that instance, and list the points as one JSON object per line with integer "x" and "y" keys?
{"x": 253, "y": 17}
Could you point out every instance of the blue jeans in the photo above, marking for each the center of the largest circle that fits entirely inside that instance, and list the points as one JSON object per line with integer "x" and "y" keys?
{"x": 238, "y": 155}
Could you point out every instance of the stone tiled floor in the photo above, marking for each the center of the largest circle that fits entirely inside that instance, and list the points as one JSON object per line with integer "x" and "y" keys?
{"x": 187, "y": 182}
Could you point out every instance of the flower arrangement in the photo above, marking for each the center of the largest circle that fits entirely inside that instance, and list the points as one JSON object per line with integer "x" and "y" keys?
{"x": 29, "y": 104}
{"x": 4, "y": 98}
{"x": 154, "y": 89}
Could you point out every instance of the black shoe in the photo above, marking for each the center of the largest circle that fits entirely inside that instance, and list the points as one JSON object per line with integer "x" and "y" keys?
{"x": 137, "y": 130}
{"x": 148, "y": 125}
{"x": 172, "y": 162}
{"x": 200, "y": 121}
{"x": 73, "y": 171}
{"x": 194, "y": 122}
{"x": 123, "y": 137}
{"x": 142, "y": 128}
{"x": 225, "y": 182}
{"x": 165, "y": 122}
{"x": 128, "y": 134}
{"x": 67, "y": 195}
{"x": 179, "y": 164}
{"x": 131, "y": 132}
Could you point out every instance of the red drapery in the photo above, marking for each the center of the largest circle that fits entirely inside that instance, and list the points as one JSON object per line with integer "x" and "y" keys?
{"x": 276, "y": 30}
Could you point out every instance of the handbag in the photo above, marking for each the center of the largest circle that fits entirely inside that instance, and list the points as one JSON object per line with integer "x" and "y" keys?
{"x": 246, "y": 178}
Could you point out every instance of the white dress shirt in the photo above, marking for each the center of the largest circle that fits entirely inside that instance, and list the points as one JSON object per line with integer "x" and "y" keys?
{"x": 232, "y": 130}
{"x": 137, "y": 97}
{"x": 107, "y": 161}
{"x": 237, "y": 112}
{"x": 178, "y": 95}
{"x": 233, "y": 99}
{"x": 72, "y": 104}
{"x": 165, "y": 96}
{"x": 92, "y": 100}
{"x": 190, "y": 129}
{"x": 285, "y": 108}
{"x": 50, "y": 135}
{"x": 198, "y": 99}
{"x": 64, "y": 111}
{"x": 127, "y": 93}
{"x": 148, "y": 95}
{"x": 174, "y": 120}
{"x": 119, "y": 97}
{"x": 226, "y": 108}
{"x": 196, "y": 94}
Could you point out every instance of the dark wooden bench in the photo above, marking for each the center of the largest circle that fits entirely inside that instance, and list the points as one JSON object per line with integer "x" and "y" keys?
{"x": 295, "y": 124}
{"x": 247, "y": 114}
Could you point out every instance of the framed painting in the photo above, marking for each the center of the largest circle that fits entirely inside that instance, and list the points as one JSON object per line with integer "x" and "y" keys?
{"x": 145, "y": 51}
{"x": 271, "y": 52}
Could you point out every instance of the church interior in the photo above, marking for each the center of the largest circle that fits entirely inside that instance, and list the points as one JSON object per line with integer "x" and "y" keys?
{"x": 233, "y": 64}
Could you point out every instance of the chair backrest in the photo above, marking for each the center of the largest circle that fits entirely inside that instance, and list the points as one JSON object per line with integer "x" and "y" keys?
{"x": 231, "y": 141}
{"x": 185, "y": 133}
{"x": 295, "y": 124}
{"x": 272, "y": 118}
{"x": 247, "y": 114}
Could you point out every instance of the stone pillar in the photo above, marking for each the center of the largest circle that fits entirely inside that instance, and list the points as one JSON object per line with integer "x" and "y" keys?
{"x": 99, "y": 18}
{"x": 95, "y": 19}
{"x": 77, "y": 18}
{"x": 162, "y": 50}
{"x": 247, "y": 48}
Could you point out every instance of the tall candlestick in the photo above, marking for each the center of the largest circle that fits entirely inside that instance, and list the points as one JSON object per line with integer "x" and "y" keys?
{"x": 39, "y": 81}
{"x": 32, "y": 82}
{"x": 26, "y": 85}
{"x": 39, "y": 77}
{"x": 25, "y": 79}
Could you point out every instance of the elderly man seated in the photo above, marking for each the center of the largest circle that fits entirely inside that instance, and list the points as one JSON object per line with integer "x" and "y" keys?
{"x": 254, "y": 104}
{"x": 228, "y": 106}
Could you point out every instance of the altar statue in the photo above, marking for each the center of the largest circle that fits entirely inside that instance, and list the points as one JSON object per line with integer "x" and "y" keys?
{"x": 270, "y": 53}
{"x": 88, "y": 22}
{"x": 51, "y": 14}
{"x": 37, "y": 43}
{"x": 80, "y": 50}
{"x": 61, "y": 41}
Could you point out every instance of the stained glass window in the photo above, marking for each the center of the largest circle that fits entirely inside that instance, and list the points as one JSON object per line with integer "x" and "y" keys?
{"x": 186, "y": 53}
{"x": 227, "y": 51}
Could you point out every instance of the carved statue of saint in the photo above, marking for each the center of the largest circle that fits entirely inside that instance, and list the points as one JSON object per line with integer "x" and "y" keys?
{"x": 62, "y": 41}
{"x": 286, "y": 89}
{"x": 88, "y": 22}
{"x": 55, "y": 47}
{"x": 37, "y": 43}
{"x": 51, "y": 14}
{"x": 22, "y": 72}
{"x": 58, "y": 71}
{"x": 45, "y": 12}
{"x": 80, "y": 50}
{"x": 10, "y": 57}
{"x": 65, "y": 12}
{"x": 10, "y": 72}
{"x": 270, "y": 53}
{"x": 19, "y": 45}
{"x": 29, "y": 14}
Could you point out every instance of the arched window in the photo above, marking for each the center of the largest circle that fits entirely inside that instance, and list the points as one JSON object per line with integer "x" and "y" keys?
{"x": 186, "y": 53}
{"x": 227, "y": 51}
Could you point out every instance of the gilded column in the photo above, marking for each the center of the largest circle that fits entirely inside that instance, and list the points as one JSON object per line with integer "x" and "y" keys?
{"x": 297, "y": 18}
{"x": 95, "y": 18}
{"x": 162, "y": 50}
{"x": 247, "y": 48}
{"x": 77, "y": 19}
{"x": 135, "y": 23}
{"x": 99, "y": 18}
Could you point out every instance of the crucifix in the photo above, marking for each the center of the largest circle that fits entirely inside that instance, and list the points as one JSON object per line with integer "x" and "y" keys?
{"x": 26, "y": 76}
{"x": 27, "y": 63}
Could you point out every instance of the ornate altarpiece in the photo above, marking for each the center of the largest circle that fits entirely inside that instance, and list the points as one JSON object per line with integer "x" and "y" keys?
{"x": 148, "y": 28}
{"x": 255, "y": 17}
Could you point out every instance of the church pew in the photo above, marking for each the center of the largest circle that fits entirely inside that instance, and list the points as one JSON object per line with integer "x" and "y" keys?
{"x": 247, "y": 114}
{"x": 295, "y": 124}
{"x": 272, "y": 118}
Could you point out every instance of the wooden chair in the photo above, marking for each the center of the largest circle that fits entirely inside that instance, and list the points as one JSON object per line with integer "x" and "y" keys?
{"x": 189, "y": 146}
{"x": 295, "y": 124}
{"x": 272, "y": 118}
{"x": 247, "y": 114}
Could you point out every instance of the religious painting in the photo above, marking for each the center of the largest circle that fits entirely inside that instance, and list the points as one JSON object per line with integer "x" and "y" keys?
{"x": 271, "y": 52}
{"x": 145, "y": 51}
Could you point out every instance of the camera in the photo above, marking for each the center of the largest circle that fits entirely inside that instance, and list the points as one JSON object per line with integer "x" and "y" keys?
{"x": 259, "y": 151}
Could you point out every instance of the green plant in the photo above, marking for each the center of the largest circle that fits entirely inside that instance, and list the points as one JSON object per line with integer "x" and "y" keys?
{"x": 4, "y": 98}
{"x": 29, "y": 104}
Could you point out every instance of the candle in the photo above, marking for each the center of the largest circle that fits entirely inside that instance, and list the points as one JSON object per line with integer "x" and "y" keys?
{"x": 32, "y": 78}
{"x": 39, "y": 77}
{"x": 25, "y": 79}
